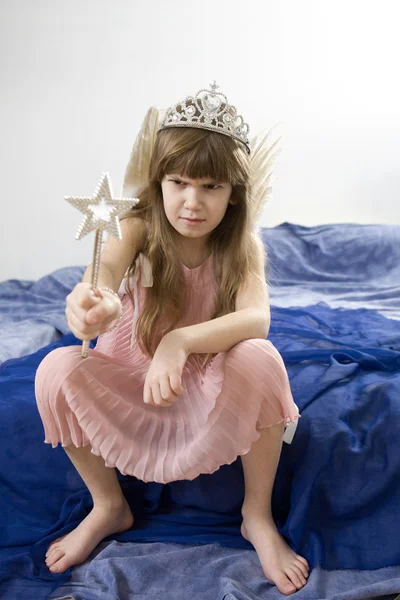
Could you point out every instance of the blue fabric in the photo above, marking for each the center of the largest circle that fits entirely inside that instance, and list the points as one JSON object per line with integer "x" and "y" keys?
{"x": 336, "y": 497}
{"x": 346, "y": 265}
{"x": 32, "y": 312}
{"x": 337, "y": 491}
{"x": 211, "y": 572}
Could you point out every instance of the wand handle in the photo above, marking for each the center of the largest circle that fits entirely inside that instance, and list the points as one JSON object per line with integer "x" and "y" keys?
{"x": 95, "y": 277}
{"x": 101, "y": 214}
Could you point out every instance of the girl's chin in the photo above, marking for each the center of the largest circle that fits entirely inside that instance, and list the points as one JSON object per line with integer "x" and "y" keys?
{"x": 191, "y": 235}
{"x": 191, "y": 230}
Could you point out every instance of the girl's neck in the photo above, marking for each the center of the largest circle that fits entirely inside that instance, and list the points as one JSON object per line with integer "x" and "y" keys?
{"x": 194, "y": 254}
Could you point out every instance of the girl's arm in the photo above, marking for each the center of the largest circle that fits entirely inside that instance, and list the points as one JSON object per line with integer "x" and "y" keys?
{"x": 251, "y": 319}
{"x": 89, "y": 313}
{"x": 117, "y": 255}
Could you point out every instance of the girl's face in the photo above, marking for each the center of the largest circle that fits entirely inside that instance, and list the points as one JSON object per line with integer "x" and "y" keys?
{"x": 194, "y": 207}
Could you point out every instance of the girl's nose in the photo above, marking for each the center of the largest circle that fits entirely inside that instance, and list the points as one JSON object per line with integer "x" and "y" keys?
{"x": 192, "y": 197}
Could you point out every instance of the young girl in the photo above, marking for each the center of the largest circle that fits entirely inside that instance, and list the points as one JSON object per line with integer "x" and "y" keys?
{"x": 184, "y": 381}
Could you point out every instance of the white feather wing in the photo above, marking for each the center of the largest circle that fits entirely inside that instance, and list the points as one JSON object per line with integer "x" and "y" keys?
{"x": 265, "y": 149}
{"x": 136, "y": 173}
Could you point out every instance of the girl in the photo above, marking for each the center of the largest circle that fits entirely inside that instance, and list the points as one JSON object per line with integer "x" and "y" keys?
{"x": 184, "y": 381}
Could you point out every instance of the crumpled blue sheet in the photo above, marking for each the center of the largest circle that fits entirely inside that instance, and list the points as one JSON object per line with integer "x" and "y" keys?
{"x": 32, "y": 313}
{"x": 338, "y": 484}
{"x": 347, "y": 265}
{"x": 210, "y": 572}
{"x": 337, "y": 490}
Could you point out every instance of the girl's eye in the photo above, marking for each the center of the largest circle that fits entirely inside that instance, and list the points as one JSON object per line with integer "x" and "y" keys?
{"x": 209, "y": 186}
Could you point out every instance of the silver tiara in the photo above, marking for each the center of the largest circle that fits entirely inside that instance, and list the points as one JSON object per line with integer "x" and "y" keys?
{"x": 208, "y": 109}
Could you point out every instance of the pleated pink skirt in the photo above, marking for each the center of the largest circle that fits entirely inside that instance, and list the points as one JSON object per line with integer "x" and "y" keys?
{"x": 98, "y": 401}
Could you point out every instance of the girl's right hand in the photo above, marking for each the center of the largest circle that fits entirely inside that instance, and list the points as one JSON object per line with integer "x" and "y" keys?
{"x": 89, "y": 313}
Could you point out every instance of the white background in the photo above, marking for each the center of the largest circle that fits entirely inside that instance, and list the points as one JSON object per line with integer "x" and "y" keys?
{"x": 77, "y": 78}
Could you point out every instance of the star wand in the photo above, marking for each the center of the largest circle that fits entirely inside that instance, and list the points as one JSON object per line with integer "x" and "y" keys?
{"x": 101, "y": 214}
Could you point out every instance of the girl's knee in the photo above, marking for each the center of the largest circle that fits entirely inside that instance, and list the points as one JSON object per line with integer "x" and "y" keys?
{"x": 55, "y": 366}
{"x": 57, "y": 358}
{"x": 52, "y": 383}
{"x": 253, "y": 343}
{"x": 260, "y": 354}
{"x": 255, "y": 347}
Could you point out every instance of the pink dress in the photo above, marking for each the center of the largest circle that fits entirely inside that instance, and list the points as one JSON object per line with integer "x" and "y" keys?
{"x": 99, "y": 400}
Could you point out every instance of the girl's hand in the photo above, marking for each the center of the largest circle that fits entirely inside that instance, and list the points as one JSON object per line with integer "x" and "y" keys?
{"x": 89, "y": 313}
{"x": 163, "y": 384}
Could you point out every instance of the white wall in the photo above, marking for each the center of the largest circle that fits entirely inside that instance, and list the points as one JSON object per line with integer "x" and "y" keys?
{"x": 77, "y": 78}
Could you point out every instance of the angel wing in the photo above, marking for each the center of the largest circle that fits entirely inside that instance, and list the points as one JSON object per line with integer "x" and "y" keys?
{"x": 136, "y": 173}
{"x": 265, "y": 148}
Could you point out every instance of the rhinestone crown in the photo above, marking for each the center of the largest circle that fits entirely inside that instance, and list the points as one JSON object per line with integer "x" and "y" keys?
{"x": 209, "y": 109}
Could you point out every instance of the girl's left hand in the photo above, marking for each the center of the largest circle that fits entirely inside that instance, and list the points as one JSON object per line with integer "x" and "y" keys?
{"x": 163, "y": 384}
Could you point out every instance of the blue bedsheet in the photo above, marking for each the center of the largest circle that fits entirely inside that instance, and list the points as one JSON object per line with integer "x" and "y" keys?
{"x": 32, "y": 312}
{"x": 345, "y": 265}
{"x": 337, "y": 492}
{"x": 208, "y": 572}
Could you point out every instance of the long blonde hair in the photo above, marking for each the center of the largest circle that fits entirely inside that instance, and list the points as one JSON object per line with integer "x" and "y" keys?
{"x": 196, "y": 154}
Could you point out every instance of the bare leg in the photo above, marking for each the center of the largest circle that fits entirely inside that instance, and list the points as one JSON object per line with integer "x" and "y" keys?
{"x": 110, "y": 513}
{"x": 286, "y": 569}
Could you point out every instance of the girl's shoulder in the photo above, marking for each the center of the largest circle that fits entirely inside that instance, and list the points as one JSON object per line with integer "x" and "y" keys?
{"x": 135, "y": 230}
{"x": 118, "y": 255}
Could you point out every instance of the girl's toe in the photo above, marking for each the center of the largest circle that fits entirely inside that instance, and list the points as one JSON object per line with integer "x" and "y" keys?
{"x": 297, "y": 570}
{"x": 305, "y": 570}
{"x": 284, "y": 585}
{"x": 294, "y": 578}
{"x": 303, "y": 560}
{"x": 53, "y": 545}
{"x": 54, "y": 557}
{"x": 51, "y": 550}
{"x": 60, "y": 566}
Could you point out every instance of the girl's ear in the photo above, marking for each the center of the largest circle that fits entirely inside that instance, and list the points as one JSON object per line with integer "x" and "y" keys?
{"x": 232, "y": 200}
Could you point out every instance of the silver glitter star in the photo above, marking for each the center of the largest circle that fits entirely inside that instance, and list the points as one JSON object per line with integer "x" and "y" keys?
{"x": 102, "y": 210}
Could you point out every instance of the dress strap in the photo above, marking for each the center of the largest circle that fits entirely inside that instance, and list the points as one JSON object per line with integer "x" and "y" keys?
{"x": 143, "y": 269}
{"x": 289, "y": 432}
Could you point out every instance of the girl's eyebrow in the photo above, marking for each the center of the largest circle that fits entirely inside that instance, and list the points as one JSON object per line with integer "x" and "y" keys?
{"x": 208, "y": 181}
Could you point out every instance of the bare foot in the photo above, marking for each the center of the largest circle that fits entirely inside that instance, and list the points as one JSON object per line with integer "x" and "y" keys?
{"x": 286, "y": 569}
{"x": 75, "y": 547}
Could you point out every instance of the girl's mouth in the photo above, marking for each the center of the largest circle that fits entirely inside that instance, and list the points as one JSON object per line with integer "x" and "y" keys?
{"x": 192, "y": 221}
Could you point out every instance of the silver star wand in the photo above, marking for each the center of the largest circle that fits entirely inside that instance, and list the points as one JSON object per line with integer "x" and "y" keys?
{"x": 101, "y": 214}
